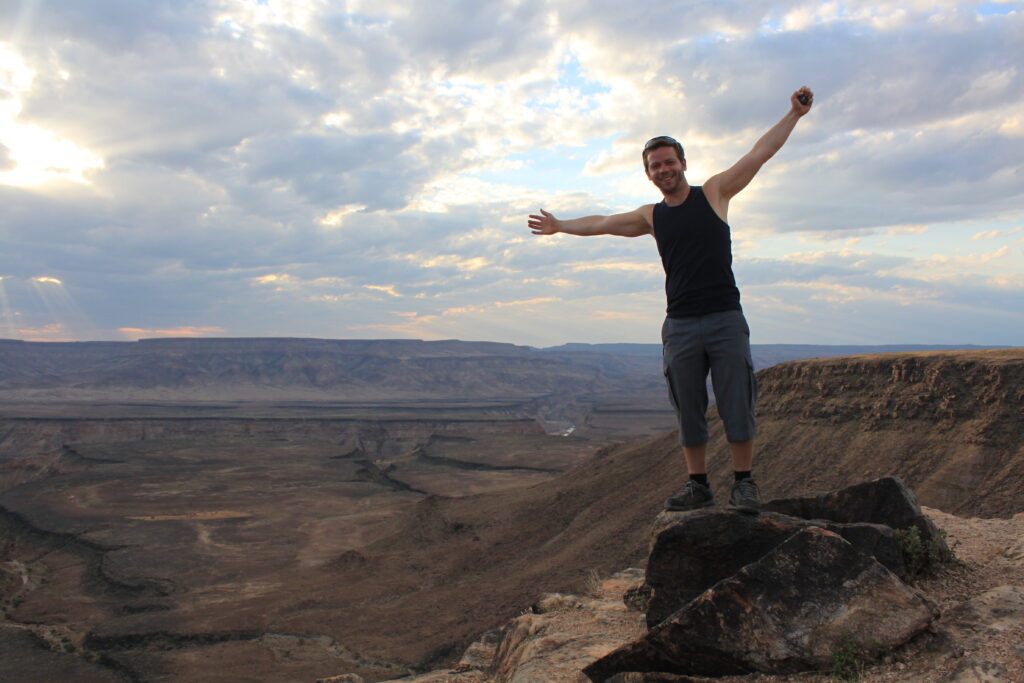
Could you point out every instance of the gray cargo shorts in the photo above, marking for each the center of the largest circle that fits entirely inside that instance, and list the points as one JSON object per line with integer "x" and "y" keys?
{"x": 719, "y": 342}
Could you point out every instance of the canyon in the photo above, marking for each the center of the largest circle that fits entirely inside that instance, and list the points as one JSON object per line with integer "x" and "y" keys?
{"x": 292, "y": 509}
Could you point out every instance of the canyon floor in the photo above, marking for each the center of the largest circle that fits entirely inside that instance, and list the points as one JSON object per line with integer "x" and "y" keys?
{"x": 252, "y": 541}
{"x": 143, "y": 540}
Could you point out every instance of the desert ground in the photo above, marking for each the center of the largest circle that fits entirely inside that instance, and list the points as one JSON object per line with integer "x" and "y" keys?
{"x": 174, "y": 535}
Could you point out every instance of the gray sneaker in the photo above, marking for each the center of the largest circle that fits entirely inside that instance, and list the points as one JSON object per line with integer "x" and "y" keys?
{"x": 744, "y": 496}
{"x": 692, "y": 496}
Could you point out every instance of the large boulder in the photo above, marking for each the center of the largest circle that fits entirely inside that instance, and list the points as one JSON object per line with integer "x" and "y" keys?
{"x": 787, "y": 612}
{"x": 885, "y": 501}
{"x": 692, "y": 551}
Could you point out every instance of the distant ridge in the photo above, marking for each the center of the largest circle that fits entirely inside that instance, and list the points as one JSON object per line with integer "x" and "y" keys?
{"x": 767, "y": 355}
{"x": 794, "y": 350}
{"x": 287, "y": 368}
{"x": 269, "y": 368}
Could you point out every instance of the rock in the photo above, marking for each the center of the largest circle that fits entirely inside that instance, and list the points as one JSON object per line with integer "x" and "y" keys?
{"x": 25, "y": 656}
{"x": 885, "y": 501}
{"x": 691, "y": 551}
{"x": 552, "y": 641}
{"x": 637, "y": 598}
{"x": 456, "y": 675}
{"x": 350, "y": 559}
{"x": 552, "y": 646}
{"x": 976, "y": 670}
{"x": 877, "y": 540}
{"x": 785, "y": 613}
{"x": 480, "y": 653}
{"x": 657, "y": 677}
{"x": 994, "y": 611}
{"x": 343, "y": 678}
{"x": 1015, "y": 552}
{"x": 535, "y": 649}
{"x": 555, "y": 602}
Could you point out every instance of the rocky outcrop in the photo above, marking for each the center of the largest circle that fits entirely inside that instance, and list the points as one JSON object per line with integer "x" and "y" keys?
{"x": 691, "y": 551}
{"x": 948, "y": 423}
{"x": 787, "y": 612}
{"x": 547, "y": 642}
{"x": 773, "y": 593}
{"x": 887, "y": 501}
{"x": 734, "y": 594}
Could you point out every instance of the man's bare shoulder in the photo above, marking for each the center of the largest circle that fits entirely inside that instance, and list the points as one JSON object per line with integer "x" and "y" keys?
{"x": 647, "y": 213}
{"x": 712, "y": 189}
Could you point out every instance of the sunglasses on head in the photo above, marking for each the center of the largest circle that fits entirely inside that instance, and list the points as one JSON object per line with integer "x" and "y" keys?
{"x": 660, "y": 140}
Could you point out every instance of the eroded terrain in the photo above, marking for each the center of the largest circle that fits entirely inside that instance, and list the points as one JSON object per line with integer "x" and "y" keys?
{"x": 201, "y": 539}
{"x": 146, "y": 546}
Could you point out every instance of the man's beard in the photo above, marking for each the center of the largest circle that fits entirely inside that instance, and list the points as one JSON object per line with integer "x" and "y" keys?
{"x": 670, "y": 184}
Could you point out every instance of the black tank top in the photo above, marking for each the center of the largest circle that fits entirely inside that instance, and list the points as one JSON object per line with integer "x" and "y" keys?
{"x": 696, "y": 251}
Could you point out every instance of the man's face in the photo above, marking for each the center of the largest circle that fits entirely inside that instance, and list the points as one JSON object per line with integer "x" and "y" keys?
{"x": 665, "y": 169}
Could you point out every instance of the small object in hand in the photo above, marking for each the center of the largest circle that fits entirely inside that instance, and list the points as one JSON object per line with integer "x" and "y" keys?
{"x": 803, "y": 99}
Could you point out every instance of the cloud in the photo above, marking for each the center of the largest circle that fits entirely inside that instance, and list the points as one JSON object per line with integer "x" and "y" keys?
{"x": 303, "y": 168}
{"x": 386, "y": 289}
{"x": 994, "y": 234}
{"x": 6, "y": 162}
{"x": 184, "y": 331}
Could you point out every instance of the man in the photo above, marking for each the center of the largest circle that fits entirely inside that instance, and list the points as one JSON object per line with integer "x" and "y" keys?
{"x": 704, "y": 328}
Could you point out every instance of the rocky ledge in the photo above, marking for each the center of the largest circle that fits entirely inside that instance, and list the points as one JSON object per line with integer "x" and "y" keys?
{"x": 733, "y": 594}
{"x": 727, "y": 594}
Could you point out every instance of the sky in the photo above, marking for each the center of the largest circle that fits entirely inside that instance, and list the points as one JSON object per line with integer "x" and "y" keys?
{"x": 358, "y": 169}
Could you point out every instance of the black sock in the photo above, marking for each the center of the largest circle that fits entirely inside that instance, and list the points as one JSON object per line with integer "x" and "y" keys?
{"x": 701, "y": 479}
{"x": 742, "y": 475}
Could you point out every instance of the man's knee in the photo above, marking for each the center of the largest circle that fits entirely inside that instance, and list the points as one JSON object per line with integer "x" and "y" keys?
{"x": 736, "y": 399}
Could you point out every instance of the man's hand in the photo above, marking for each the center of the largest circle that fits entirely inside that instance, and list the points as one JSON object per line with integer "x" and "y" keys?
{"x": 545, "y": 224}
{"x": 802, "y": 100}
{"x": 630, "y": 224}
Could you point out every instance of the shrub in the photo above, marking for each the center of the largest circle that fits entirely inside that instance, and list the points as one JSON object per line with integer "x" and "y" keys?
{"x": 923, "y": 557}
{"x": 848, "y": 662}
{"x": 592, "y": 586}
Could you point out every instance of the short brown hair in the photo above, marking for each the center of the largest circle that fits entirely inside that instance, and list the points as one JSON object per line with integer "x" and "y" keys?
{"x": 662, "y": 141}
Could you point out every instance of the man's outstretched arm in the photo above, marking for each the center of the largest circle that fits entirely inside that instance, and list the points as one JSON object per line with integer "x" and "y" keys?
{"x": 629, "y": 224}
{"x": 724, "y": 186}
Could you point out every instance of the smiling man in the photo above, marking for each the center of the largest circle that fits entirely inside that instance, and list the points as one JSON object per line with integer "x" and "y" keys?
{"x": 705, "y": 329}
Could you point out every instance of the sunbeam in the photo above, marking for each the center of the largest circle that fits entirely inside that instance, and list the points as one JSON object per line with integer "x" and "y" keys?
{"x": 7, "y": 327}
{"x": 23, "y": 24}
{"x": 63, "y": 310}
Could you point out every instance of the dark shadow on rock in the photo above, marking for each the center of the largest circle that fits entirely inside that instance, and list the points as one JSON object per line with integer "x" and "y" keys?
{"x": 885, "y": 501}
{"x": 653, "y": 677}
{"x": 779, "y": 592}
{"x": 785, "y": 613}
{"x": 692, "y": 551}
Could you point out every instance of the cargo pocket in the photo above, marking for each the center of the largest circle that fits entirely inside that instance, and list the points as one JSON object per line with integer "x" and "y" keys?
{"x": 671, "y": 387}
{"x": 752, "y": 393}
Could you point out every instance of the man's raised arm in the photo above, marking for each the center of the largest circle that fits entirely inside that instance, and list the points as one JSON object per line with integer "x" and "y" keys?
{"x": 724, "y": 186}
{"x": 630, "y": 224}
